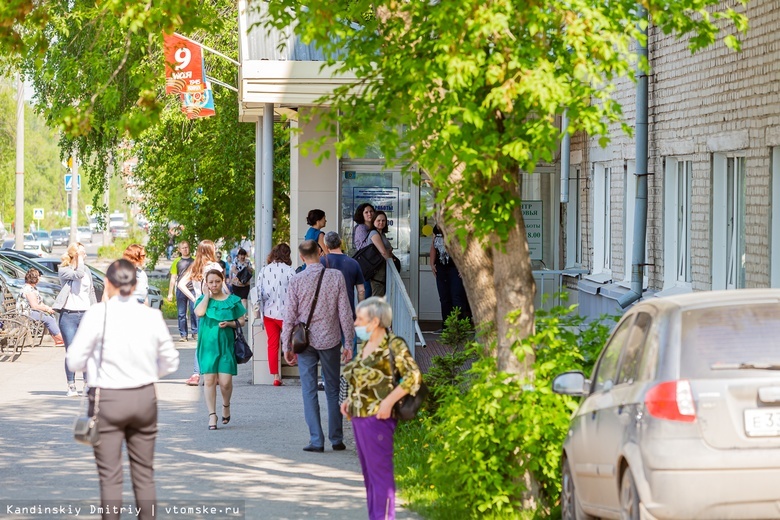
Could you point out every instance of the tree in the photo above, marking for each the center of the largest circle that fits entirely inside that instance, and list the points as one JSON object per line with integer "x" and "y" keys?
{"x": 477, "y": 87}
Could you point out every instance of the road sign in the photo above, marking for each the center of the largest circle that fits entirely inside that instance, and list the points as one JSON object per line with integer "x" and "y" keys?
{"x": 38, "y": 213}
{"x": 69, "y": 181}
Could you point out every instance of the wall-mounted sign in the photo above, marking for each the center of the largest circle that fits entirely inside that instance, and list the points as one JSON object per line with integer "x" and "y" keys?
{"x": 532, "y": 216}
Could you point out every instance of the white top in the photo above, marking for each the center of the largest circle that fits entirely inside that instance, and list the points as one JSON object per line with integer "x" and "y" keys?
{"x": 197, "y": 285}
{"x": 137, "y": 349}
{"x": 79, "y": 298}
{"x": 141, "y": 285}
{"x": 273, "y": 280}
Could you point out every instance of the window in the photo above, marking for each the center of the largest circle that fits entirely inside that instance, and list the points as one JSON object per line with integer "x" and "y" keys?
{"x": 606, "y": 373}
{"x": 574, "y": 221}
{"x": 632, "y": 353}
{"x": 602, "y": 220}
{"x": 678, "y": 176}
{"x": 728, "y": 221}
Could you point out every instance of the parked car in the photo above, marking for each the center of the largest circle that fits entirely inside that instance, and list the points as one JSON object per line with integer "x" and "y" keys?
{"x": 84, "y": 235}
{"x": 119, "y": 232}
{"x": 43, "y": 238}
{"x": 9, "y": 243}
{"x": 13, "y": 277}
{"x": 681, "y": 417}
{"x": 18, "y": 266}
{"x": 60, "y": 237}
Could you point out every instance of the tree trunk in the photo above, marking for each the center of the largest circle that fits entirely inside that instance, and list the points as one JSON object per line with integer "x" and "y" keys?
{"x": 498, "y": 280}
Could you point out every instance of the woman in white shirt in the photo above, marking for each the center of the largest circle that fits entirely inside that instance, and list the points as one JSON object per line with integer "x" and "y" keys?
{"x": 125, "y": 348}
{"x": 31, "y": 304}
{"x": 76, "y": 296}
{"x": 273, "y": 281}
{"x": 136, "y": 255}
{"x": 205, "y": 261}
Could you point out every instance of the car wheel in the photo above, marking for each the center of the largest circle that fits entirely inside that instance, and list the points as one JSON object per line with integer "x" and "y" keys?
{"x": 629, "y": 498}
{"x": 570, "y": 504}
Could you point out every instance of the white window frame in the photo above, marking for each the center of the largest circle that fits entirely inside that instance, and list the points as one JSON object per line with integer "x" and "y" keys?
{"x": 728, "y": 220}
{"x": 629, "y": 217}
{"x": 775, "y": 208}
{"x": 602, "y": 219}
{"x": 574, "y": 221}
{"x": 678, "y": 183}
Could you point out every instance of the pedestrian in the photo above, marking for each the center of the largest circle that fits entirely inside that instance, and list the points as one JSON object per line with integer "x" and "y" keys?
{"x": 449, "y": 283}
{"x": 171, "y": 242}
{"x": 317, "y": 220}
{"x": 75, "y": 297}
{"x": 273, "y": 281}
{"x": 219, "y": 315}
{"x": 241, "y": 272}
{"x": 136, "y": 255}
{"x": 350, "y": 269}
{"x": 125, "y": 348}
{"x": 378, "y": 237}
{"x": 371, "y": 395}
{"x": 221, "y": 262}
{"x": 31, "y": 305}
{"x": 184, "y": 304}
{"x": 191, "y": 287}
{"x": 363, "y": 219}
{"x": 332, "y": 318}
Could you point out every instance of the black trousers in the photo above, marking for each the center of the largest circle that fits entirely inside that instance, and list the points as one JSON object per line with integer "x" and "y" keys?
{"x": 451, "y": 291}
{"x": 129, "y": 416}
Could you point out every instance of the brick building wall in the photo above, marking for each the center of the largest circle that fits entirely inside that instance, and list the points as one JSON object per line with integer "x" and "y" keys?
{"x": 715, "y": 101}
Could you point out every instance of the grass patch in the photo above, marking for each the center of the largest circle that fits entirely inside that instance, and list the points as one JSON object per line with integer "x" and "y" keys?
{"x": 169, "y": 310}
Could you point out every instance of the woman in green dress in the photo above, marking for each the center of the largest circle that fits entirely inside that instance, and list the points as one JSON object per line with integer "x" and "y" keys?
{"x": 218, "y": 314}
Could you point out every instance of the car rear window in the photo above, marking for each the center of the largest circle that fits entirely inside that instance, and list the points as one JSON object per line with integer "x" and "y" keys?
{"x": 729, "y": 335}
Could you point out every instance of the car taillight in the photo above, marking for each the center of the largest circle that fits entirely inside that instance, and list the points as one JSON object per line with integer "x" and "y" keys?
{"x": 672, "y": 400}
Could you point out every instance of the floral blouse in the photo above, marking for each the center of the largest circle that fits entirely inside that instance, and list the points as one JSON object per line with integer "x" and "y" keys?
{"x": 371, "y": 380}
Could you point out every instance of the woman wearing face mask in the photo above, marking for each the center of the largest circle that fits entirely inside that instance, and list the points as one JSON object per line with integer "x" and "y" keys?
{"x": 218, "y": 315}
{"x": 371, "y": 396}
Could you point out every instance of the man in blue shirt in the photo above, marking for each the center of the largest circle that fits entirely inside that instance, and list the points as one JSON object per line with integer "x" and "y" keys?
{"x": 353, "y": 275}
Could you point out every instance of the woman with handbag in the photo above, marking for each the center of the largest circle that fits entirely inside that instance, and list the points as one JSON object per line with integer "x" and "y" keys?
{"x": 378, "y": 237}
{"x": 272, "y": 293}
{"x": 76, "y": 296}
{"x": 219, "y": 314}
{"x": 241, "y": 272}
{"x": 125, "y": 348}
{"x": 372, "y": 393}
{"x": 363, "y": 218}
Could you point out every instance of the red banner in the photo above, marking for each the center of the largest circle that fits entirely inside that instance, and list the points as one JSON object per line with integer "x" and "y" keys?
{"x": 184, "y": 72}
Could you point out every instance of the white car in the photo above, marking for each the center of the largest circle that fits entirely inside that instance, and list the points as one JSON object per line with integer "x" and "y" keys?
{"x": 84, "y": 235}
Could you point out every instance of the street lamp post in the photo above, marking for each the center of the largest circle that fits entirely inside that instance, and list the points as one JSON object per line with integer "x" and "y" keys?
{"x": 19, "y": 228}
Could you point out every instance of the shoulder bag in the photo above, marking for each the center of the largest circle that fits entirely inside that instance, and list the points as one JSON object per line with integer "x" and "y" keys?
{"x": 370, "y": 260}
{"x": 244, "y": 276}
{"x": 300, "y": 332}
{"x": 85, "y": 429}
{"x": 241, "y": 347}
{"x": 407, "y": 407}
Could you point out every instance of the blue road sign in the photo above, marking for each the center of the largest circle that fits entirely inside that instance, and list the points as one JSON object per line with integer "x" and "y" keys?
{"x": 69, "y": 181}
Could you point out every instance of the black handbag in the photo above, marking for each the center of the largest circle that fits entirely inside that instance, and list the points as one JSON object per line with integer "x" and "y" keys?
{"x": 370, "y": 260}
{"x": 406, "y": 408}
{"x": 300, "y": 332}
{"x": 241, "y": 347}
{"x": 85, "y": 429}
{"x": 244, "y": 276}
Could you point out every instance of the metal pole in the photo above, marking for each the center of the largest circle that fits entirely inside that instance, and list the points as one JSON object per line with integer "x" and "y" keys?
{"x": 267, "y": 223}
{"x": 565, "y": 158}
{"x": 640, "y": 212}
{"x": 258, "y": 190}
{"x": 19, "y": 229}
{"x": 74, "y": 197}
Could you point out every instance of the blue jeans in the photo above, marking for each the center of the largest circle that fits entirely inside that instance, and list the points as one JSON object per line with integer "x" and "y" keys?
{"x": 69, "y": 324}
{"x": 182, "y": 303}
{"x": 48, "y": 320}
{"x": 331, "y": 367}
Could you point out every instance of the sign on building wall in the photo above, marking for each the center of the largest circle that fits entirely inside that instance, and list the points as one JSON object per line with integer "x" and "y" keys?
{"x": 532, "y": 216}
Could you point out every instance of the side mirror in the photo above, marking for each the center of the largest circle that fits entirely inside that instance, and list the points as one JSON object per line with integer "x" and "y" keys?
{"x": 571, "y": 383}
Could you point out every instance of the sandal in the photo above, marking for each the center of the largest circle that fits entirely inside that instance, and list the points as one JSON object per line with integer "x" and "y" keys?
{"x": 225, "y": 418}
{"x": 212, "y": 426}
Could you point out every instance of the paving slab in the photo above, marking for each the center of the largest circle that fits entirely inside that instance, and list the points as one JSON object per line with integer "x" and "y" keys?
{"x": 252, "y": 468}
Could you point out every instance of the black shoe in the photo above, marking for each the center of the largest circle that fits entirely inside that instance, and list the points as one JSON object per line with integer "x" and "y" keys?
{"x": 314, "y": 448}
{"x": 339, "y": 447}
{"x": 321, "y": 386}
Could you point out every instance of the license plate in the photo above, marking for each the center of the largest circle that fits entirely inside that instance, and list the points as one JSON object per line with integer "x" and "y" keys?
{"x": 762, "y": 423}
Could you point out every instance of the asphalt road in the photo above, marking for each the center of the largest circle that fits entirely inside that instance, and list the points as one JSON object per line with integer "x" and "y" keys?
{"x": 255, "y": 463}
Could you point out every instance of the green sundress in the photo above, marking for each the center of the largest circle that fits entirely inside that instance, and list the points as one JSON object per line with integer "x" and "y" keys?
{"x": 215, "y": 345}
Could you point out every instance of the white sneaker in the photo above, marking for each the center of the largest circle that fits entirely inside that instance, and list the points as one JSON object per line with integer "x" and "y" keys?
{"x": 72, "y": 392}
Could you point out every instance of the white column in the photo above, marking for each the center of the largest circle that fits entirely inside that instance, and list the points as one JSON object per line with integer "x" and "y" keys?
{"x": 74, "y": 197}
{"x": 19, "y": 231}
{"x": 266, "y": 235}
{"x": 259, "y": 259}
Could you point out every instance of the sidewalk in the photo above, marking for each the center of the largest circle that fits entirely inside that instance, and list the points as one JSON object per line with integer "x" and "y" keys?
{"x": 257, "y": 458}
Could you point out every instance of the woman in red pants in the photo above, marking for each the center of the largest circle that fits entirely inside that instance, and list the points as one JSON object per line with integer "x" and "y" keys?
{"x": 272, "y": 298}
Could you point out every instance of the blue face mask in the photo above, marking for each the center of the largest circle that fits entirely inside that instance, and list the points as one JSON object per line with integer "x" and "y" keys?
{"x": 362, "y": 333}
